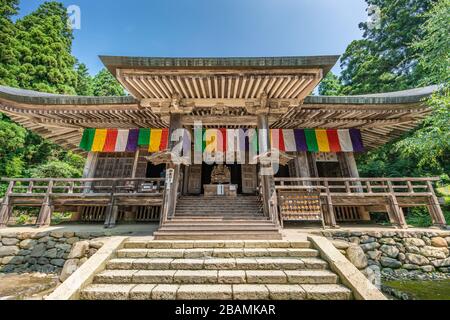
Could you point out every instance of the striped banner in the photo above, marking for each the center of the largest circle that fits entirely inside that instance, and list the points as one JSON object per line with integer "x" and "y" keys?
{"x": 225, "y": 140}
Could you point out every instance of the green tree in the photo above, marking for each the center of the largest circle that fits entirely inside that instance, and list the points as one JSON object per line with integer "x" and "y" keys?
{"x": 432, "y": 140}
{"x": 330, "y": 85}
{"x": 8, "y": 42}
{"x": 104, "y": 84}
{"x": 384, "y": 59}
{"x": 12, "y": 142}
{"x": 84, "y": 84}
{"x": 46, "y": 62}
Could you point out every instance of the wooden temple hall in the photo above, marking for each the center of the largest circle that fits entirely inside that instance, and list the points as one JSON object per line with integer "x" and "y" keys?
{"x": 231, "y": 148}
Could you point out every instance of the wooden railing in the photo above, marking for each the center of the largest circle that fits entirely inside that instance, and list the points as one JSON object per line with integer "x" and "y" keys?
{"x": 389, "y": 189}
{"x": 83, "y": 186}
{"x": 109, "y": 192}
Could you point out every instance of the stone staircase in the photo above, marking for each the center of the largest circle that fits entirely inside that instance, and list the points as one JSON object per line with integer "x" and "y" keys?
{"x": 205, "y": 218}
{"x": 216, "y": 270}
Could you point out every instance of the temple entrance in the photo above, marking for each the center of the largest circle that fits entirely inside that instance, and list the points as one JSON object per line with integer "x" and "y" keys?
{"x": 243, "y": 177}
{"x": 235, "y": 174}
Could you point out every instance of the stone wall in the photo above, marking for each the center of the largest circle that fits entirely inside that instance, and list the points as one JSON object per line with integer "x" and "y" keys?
{"x": 46, "y": 252}
{"x": 396, "y": 254}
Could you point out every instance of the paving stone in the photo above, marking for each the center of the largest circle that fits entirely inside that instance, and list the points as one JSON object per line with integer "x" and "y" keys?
{"x": 153, "y": 276}
{"x": 187, "y": 264}
{"x": 131, "y": 253}
{"x": 266, "y": 276}
{"x": 232, "y": 277}
{"x": 159, "y": 245}
{"x": 234, "y": 244}
{"x": 286, "y": 292}
{"x": 165, "y": 253}
{"x": 326, "y": 292}
{"x": 280, "y": 264}
{"x": 198, "y": 253}
{"x": 255, "y": 252}
{"x": 135, "y": 244}
{"x": 195, "y": 276}
{"x": 250, "y": 292}
{"x": 302, "y": 253}
{"x": 314, "y": 263}
{"x": 279, "y": 244}
{"x": 300, "y": 244}
{"x": 205, "y": 292}
{"x": 183, "y": 245}
{"x": 311, "y": 276}
{"x": 115, "y": 276}
{"x": 152, "y": 264}
{"x": 257, "y": 244}
{"x": 220, "y": 264}
{"x": 142, "y": 292}
{"x": 228, "y": 253}
{"x": 277, "y": 252}
{"x": 209, "y": 244}
{"x": 107, "y": 292}
{"x": 165, "y": 292}
{"x": 247, "y": 264}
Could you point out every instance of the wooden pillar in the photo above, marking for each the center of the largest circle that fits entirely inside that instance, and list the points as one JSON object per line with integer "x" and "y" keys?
{"x": 435, "y": 208}
{"x": 6, "y": 207}
{"x": 45, "y": 215}
{"x": 268, "y": 183}
{"x": 172, "y": 192}
{"x": 396, "y": 212}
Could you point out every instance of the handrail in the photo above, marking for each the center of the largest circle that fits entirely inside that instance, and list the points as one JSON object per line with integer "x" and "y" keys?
{"x": 357, "y": 179}
{"x": 30, "y": 186}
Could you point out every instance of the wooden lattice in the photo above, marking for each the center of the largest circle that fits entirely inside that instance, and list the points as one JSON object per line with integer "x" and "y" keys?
{"x": 300, "y": 206}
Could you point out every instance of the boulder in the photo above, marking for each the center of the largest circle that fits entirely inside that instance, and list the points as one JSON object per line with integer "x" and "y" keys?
{"x": 79, "y": 250}
{"x": 374, "y": 255}
{"x": 441, "y": 263}
{"x": 417, "y": 259}
{"x": 408, "y": 266}
{"x": 9, "y": 241}
{"x": 96, "y": 244}
{"x": 414, "y": 242}
{"x": 6, "y": 251}
{"x": 340, "y": 245}
{"x": 390, "y": 263}
{"x": 51, "y": 254}
{"x": 27, "y": 244}
{"x": 390, "y": 251}
{"x": 38, "y": 250}
{"x": 439, "y": 242}
{"x": 389, "y": 241}
{"x": 70, "y": 266}
{"x": 370, "y": 246}
{"x": 413, "y": 249}
{"x": 357, "y": 257}
{"x": 72, "y": 240}
{"x": 448, "y": 241}
{"x": 427, "y": 269}
{"x": 432, "y": 252}
{"x": 57, "y": 234}
{"x": 367, "y": 239}
{"x": 58, "y": 262}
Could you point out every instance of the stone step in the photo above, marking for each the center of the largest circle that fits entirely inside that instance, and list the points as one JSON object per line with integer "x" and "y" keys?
{"x": 140, "y": 244}
{"x": 216, "y": 253}
{"x": 197, "y": 263}
{"x": 215, "y": 277}
{"x": 214, "y": 292}
{"x": 214, "y": 235}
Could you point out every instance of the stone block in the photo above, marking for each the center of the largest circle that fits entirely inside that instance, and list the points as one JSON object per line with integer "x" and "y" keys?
{"x": 187, "y": 264}
{"x": 250, "y": 292}
{"x": 266, "y": 277}
{"x": 107, "y": 292}
{"x": 286, "y": 292}
{"x": 152, "y": 264}
{"x": 142, "y": 292}
{"x": 6, "y": 251}
{"x": 79, "y": 250}
{"x": 153, "y": 276}
{"x": 165, "y": 292}
{"x": 196, "y": 276}
{"x": 231, "y": 277}
{"x": 219, "y": 264}
{"x": 205, "y": 292}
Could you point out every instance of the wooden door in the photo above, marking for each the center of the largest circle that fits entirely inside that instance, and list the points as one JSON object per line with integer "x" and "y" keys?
{"x": 195, "y": 179}
{"x": 249, "y": 179}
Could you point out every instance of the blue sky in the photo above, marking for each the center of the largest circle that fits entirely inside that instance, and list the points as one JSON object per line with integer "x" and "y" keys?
{"x": 212, "y": 28}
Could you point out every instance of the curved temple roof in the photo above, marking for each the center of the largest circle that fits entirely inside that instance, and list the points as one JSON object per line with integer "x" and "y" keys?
{"x": 218, "y": 91}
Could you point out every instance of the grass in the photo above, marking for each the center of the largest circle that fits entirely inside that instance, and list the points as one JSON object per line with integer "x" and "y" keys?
{"x": 423, "y": 290}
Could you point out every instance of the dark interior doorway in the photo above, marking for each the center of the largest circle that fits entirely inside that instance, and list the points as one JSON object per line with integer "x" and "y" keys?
{"x": 236, "y": 175}
{"x": 329, "y": 170}
{"x": 283, "y": 172}
{"x": 158, "y": 171}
